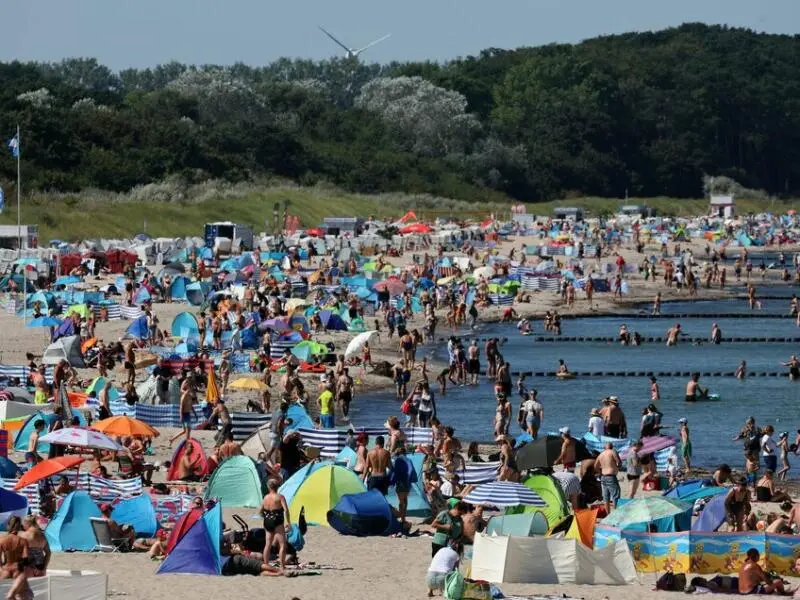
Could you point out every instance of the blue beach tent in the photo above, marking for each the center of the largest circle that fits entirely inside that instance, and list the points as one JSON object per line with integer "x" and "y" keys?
{"x": 198, "y": 551}
{"x": 138, "y": 329}
{"x": 138, "y": 512}
{"x": 71, "y": 528}
{"x": 364, "y": 514}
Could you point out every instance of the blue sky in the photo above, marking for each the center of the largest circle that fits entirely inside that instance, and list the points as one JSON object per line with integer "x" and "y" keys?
{"x": 140, "y": 33}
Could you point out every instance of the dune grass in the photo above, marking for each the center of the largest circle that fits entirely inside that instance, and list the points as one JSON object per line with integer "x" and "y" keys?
{"x": 98, "y": 214}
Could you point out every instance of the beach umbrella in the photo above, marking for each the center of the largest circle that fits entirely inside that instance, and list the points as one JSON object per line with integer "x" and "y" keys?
{"x": 355, "y": 345}
{"x": 48, "y": 468}
{"x": 395, "y": 287}
{"x": 542, "y": 453}
{"x": 124, "y": 426}
{"x": 212, "y": 388}
{"x": 44, "y": 322}
{"x": 645, "y": 510}
{"x": 503, "y": 494}
{"x": 81, "y": 438}
{"x": 248, "y": 383}
{"x": 416, "y": 228}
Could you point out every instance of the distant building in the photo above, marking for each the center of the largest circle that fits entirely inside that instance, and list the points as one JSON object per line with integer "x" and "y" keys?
{"x": 722, "y": 206}
{"x": 9, "y": 236}
{"x": 635, "y": 211}
{"x": 339, "y": 225}
{"x": 568, "y": 213}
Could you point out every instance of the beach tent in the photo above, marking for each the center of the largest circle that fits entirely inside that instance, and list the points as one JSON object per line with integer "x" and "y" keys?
{"x": 307, "y": 349}
{"x": 24, "y": 434}
{"x": 322, "y": 490}
{"x": 331, "y": 321}
{"x": 97, "y": 385}
{"x": 257, "y": 442}
{"x": 548, "y": 560}
{"x": 346, "y": 458}
{"x": 66, "y": 329}
{"x": 138, "y": 329}
{"x": 196, "y": 292}
{"x": 197, "y": 552}
{"x": 418, "y": 505}
{"x": 138, "y": 512}
{"x": 237, "y": 482}
{"x": 525, "y": 525}
{"x": 11, "y": 504}
{"x": 551, "y": 492}
{"x": 712, "y": 516}
{"x": 689, "y": 491}
{"x": 681, "y": 521}
{"x": 177, "y": 289}
{"x": 178, "y": 455}
{"x": 64, "y": 348}
{"x": 289, "y": 487}
{"x": 185, "y": 326}
{"x": 71, "y": 528}
{"x": 363, "y": 514}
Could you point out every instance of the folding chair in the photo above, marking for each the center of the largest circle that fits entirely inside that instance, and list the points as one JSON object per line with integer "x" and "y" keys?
{"x": 102, "y": 535}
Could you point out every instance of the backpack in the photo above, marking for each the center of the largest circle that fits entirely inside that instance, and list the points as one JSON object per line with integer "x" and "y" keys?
{"x": 671, "y": 582}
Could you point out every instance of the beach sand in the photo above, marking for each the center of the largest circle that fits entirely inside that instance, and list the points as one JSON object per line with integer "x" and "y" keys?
{"x": 354, "y": 567}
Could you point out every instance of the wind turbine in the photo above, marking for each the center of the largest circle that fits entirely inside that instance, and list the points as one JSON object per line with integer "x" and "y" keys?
{"x": 353, "y": 52}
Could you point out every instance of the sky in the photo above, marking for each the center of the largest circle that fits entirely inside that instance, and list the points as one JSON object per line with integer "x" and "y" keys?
{"x": 142, "y": 33}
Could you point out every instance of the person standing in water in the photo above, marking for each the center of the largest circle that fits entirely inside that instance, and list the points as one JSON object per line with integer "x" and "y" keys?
{"x": 794, "y": 367}
{"x": 686, "y": 443}
{"x": 716, "y": 334}
{"x": 655, "y": 391}
{"x": 741, "y": 372}
{"x": 693, "y": 390}
{"x": 657, "y": 304}
{"x": 672, "y": 334}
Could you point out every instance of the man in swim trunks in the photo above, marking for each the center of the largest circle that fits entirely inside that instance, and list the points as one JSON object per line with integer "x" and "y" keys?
{"x": 377, "y": 472}
{"x": 616, "y": 426}
{"x": 567, "y": 456}
{"x": 693, "y": 390}
{"x": 753, "y": 579}
{"x": 608, "y": 464}
{"x": 794, "y": 367}
{"x": 673, "y": 333}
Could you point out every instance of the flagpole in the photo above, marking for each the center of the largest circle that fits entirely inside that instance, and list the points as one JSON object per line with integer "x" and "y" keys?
{"x": 19, "y": 184}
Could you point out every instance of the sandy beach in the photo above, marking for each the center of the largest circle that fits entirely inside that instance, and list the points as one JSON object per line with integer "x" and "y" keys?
{"x": 351, "y": 567}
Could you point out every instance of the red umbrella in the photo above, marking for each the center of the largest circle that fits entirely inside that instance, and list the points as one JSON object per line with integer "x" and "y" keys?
{"x": 48, "y": 468}
{"x": 315, "y": 232}
{"x": 416, "y": 228}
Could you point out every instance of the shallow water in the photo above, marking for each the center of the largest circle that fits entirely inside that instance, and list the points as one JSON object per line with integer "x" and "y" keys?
{"x": 772, "y": 400}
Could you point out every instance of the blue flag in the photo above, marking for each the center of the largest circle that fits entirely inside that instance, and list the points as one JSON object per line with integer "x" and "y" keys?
{"x": 2, "y": 200}
{"x": 13, "y": 145}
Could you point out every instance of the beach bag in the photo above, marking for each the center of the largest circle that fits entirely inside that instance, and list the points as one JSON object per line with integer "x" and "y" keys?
{"x": 454, "y": 586}
{"x": 671, "y": 582}
{"x": 476, "y": 590}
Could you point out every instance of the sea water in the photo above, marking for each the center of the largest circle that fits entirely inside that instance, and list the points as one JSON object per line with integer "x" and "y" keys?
{"x": 771, "y": 400}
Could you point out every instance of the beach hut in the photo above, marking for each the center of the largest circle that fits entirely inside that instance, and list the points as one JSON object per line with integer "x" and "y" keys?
{"x": 238, "y": 482}
{"x": 322, "y": 490}
{"x": 197, "y": 552}
{"x": 138, "y": 512}
{"x": 71, "y": 526}
{"x": 549, "y": 490}
{"x": 363, "y": 514}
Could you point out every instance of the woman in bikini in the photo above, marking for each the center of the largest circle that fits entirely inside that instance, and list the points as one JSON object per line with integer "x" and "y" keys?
{"x": 737, "y": 504}
{"x": 275, "y": 512}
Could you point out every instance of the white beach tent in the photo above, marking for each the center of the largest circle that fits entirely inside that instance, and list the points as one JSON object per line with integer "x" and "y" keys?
{"x": 510, "y": 559}
{"x": 66, "y": 348}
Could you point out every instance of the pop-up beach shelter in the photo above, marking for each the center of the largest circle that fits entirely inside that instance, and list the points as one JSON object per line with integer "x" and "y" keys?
{"x": 185, "y": 326}
{"x": 138, "y": 512}
{"x": 551, "y": 492}
{"x": 363, "y": 514}
{"x": 64, "y": 348}
{"x": 24, "y": 434}
{"x": 197, "y": 552}
{"x": 138, "y": 329}
{"x": 322, "y": 490}
{"x": 199, "y": 456}
{"x": 71, "y": 526}
{"x": 11, "y": 504}
{"x": 237, "y": 482}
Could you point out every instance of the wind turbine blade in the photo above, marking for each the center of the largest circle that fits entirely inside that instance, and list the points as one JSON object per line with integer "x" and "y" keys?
{"x": 371, "y": 44}
{"x": 330, "y": 35}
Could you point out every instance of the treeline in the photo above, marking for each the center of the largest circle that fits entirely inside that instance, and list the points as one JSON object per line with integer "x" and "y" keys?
{"x": 645, "y": 114}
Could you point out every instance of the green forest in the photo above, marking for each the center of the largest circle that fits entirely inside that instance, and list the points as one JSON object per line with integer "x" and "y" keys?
{"x": 640, "y": 114}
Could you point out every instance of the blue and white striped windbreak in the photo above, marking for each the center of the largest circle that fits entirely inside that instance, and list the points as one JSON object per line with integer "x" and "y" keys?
{"x": 502, "y": 494}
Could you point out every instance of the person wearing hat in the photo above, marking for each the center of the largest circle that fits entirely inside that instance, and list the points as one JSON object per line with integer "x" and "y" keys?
{"x": 567, "y": 455}
{"x": 686, "y": 443}
{"x": 596, "y": 424}
{"x": 616, "y": 426}
{"x": 448, "y": 525}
